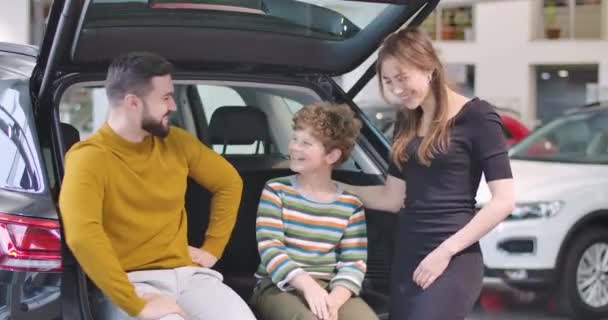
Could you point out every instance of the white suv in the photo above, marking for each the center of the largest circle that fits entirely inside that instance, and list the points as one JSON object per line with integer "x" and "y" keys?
{"x": 557, "y": 237}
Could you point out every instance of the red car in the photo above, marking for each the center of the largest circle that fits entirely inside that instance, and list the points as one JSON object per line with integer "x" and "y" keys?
{"x": 514, "y": 129}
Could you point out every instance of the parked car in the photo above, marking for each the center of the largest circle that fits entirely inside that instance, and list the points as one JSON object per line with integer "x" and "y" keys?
{"x": 515, "y": 130}
{"x": 557, "y": 237}
{"x": 383, "y": 117}
{"x": 254, "y": 58}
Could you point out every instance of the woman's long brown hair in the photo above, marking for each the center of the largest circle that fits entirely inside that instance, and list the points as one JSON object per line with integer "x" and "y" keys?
{"x": 413, "y": 47}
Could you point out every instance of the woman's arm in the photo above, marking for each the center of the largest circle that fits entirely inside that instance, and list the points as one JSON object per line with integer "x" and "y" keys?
{"x": 387, "y": 197}
{"x": 502, "y": 203}
{"x": 490, "y": 149}
{"x": 495, "y": 211}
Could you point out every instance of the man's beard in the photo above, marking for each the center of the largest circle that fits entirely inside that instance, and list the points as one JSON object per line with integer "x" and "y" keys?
{"x": 153, "y": 126}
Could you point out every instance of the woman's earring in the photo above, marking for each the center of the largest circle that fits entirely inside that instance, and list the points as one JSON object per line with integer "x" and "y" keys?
{"x": 430, "y": 77}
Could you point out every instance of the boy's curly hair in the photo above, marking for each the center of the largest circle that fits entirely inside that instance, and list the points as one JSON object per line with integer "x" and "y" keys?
{"x": 335, "y": 125}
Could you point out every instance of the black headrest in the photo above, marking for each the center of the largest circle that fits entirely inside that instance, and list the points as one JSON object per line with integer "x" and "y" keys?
{"x": 70, "y": 135}
{"x": 238, "y": 125}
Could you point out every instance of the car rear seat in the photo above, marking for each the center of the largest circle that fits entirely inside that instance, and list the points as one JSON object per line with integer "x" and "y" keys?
{"x": 70, "y": 135}
{"x": 241, "y": 257}
{"x": 246, "y": 125}
{"x": 237, "y": 126}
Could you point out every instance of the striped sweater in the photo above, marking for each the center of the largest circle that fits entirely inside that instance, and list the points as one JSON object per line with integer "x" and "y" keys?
{"x": 296, "y": 234}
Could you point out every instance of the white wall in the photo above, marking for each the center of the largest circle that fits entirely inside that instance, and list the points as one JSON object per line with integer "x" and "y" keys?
{"x": 504, "y": 54}
{"x": 15, "y": 21}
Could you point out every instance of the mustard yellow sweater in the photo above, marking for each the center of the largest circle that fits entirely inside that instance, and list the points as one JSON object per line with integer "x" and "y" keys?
{"x": 122, "y": 206}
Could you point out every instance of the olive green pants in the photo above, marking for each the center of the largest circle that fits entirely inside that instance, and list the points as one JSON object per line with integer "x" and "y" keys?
{"x": 274, "y": 304}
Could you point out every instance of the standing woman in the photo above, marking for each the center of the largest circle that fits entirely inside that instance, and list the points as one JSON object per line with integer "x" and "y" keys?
{"x": 444, "y": 143}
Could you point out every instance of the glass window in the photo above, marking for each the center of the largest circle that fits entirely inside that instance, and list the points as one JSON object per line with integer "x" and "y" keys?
{"x": 574, "y": 19}
{"x": 430, "y": 25}
{"x": 215, "y": 97}
{"x": 14, "y": 66}
{"x": 12, "y": 166}
{"x": 556, "y": 19}
{"x": 330, "y": 19}
{"x": 563, "y": 87}
{"x": 17, "y": 171}
{"x": 588, "y": 19}
{"x": 379, "y": 111}
{"x": 579, "y": 138}
{"x": 19, "y": 160}
{"x": 278, "y": 105}
{"x": 457, "y": 23}
{"x": 293, "y": 105}
{"x": 85, "y": 108}
{"x": 450, "y": 23}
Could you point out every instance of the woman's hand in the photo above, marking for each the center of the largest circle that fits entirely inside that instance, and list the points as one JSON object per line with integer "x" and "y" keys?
{"x": 432, "y": 267}
{"x": 388, "y": 197}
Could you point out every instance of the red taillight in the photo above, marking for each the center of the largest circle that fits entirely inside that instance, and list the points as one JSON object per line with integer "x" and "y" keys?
{"x": 29, "y": 244}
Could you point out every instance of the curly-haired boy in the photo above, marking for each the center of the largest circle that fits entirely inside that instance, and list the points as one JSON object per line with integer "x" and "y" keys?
{"x": 311, "y": 234}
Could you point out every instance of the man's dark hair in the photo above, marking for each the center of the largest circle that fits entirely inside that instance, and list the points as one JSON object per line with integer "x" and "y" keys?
{"x": 131, "y": 74}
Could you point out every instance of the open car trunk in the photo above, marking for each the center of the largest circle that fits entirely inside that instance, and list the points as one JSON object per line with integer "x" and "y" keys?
{"x": 274, "y": 38}
{"x": 264, "y": 36}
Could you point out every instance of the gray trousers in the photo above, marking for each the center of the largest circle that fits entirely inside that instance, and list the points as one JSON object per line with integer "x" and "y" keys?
{"x": 199, "y": 291}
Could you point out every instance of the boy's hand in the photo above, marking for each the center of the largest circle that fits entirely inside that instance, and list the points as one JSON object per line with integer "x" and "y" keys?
{"x": 336, "y": 299}
{"x": 316, "y": 298}
{"x": 332, "y": 306}
{"x": 314, "y": 295}
{"x": 202, "y": 257}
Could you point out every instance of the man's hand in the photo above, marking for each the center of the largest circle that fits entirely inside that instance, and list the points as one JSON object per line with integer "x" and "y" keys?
{"x": 202, "y": 257}
{"x": 158, "y": 306}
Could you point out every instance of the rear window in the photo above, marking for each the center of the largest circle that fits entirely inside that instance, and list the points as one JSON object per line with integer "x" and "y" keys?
{"x": 330, "y": 19}
{"x": 85, "y": 107}
{"x": 576, "y": 138}
{"x": 17, "y": 164}
{"x": 14, "y": 66}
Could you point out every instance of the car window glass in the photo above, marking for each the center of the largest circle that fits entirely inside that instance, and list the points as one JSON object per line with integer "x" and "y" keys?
{"x": 214, "y": 97}
{"x": 575, "y": 138}
{"x": 15, "y": 172}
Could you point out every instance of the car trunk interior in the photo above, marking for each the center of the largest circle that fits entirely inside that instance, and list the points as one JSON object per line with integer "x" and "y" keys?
{"x": 241, "y": 258}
